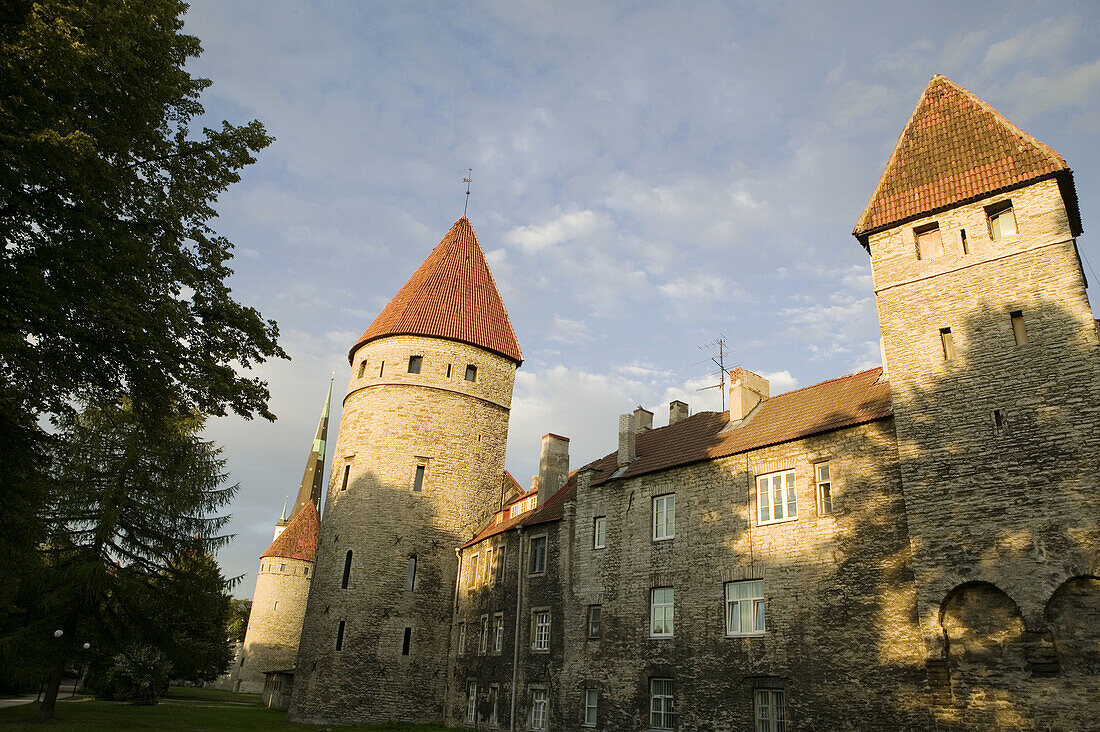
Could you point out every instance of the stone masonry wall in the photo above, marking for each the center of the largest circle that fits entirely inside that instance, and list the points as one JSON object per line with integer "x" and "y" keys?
{"x": 394, "y": 421}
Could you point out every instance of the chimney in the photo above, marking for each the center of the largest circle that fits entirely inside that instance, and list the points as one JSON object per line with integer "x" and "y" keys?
{"x": 677, "y": 411}
{"x": 746, "y": 391}
{"x": 626, "y": 439}
{"x": 584, "y": 479}
{"x": 553, "y": 465}
{"x": 643, "y": 419}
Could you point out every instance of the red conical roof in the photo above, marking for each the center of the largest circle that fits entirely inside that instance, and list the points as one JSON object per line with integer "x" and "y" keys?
{"x": 299, "y": 538}
{"x": 452, "y": 295}
{"x": 955, "y": 147}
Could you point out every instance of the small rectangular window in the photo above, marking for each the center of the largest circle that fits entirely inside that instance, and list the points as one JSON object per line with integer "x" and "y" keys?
{"x": 661, "y": 612}
{"x": 499, "y": 559}
{"x": 406, "y": 642}
{"x": 461, "y": 638}
{"x": 471, "y": 373}
{"x": 538, "y": 554}
{"x": 745, "y": 607}
{"x": 948, "y": 343}
{"x": 662, "y": 709}
{"x": 347, "y": 571}
{"x": 340, "y": 636}
{"x": 498, "y": 632}
{"x": 599, "y": 532}
{"x": 538, "y": 709}
{"x": 414, "y": 364}
{"x": 362, "y": 368}
{"x": 471, "y": 571}
{"x": 1019, "y": 330}
{"x": 776, "y": 497}
{"x": 965, "y": 243}
{"x": 770, "y": 711}
{"x": 664, "y": 517}
{"x": 483, "y": 639}
{"x": 448, "y": 371}
{"x": 489, "y": 566}
{"x": 410, "y": 579}
{"x": 591, "y": 705}
{"x": 540, "y": 636}
{"x": 381, "y": 368}
{"x": 347, "y": 472}
{"x": 824, "y": 488}
{"x": 1002, "y": 220}
{"x": 471, "y": 702}
{"x": 595, "y": 617}
{"x": 929, "y": 241}
{"x": 418, "y": 479}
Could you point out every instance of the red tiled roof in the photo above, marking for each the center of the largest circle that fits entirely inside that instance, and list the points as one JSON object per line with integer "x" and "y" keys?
{"x": 954, "y": 147}
{"x": 831, "y": 405}
{"x": 452, "y": 295}
{"x": 299, "y": 538}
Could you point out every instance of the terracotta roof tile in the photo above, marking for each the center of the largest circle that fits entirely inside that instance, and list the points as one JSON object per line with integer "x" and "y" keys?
{"x": 299, "y": 538}
{"x": 955, "y": 147}
{"x": 452, "y": 295}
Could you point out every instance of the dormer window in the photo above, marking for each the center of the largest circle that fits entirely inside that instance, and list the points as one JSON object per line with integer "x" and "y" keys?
{"x": 929, "y": 241}
{"x": 1002, "y": 220}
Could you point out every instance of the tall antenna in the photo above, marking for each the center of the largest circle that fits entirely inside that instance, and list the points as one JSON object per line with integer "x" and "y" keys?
{"x": 468, "y": 180}
{"x": 720, "y": 361}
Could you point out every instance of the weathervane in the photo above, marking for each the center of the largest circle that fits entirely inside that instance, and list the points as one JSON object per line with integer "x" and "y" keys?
{"x": 467, "y": 180}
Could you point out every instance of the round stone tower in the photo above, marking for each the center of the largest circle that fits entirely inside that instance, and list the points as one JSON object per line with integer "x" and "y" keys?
{"x": 418, "y": 468}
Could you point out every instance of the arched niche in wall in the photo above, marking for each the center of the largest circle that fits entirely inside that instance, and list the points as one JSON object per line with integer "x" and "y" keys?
{"x": 983, "y": 629}
{"x": 1073, "y": 612}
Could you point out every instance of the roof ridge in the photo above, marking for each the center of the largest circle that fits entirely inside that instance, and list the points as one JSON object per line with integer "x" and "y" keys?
{"x": 827, "y": 381}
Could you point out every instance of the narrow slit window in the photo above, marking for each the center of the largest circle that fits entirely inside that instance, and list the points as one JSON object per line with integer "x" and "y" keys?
{"x": 998, "y": 419}
{"x": 410, "y": 580}
{"x": 414, "y": 364}
{"x": 347, "y": 571}
{"x": 965, "y": 243}
{"x": 347, "y": 472}
{"x": 362, "y": 368}
{"x": 948, "y": 343}
{"x": 1019, "y": 330}
{"x": 340, "y": 636}
{"x": 448, "y": 371}
{"x": 381, "y": 368}
{"x": 471, "y": 372}
{"x": 418, "y": 479}
{"x": 406, "y": 642}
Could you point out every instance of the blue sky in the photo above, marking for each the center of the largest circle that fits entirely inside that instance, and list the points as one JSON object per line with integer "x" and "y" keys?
{"x": 647, "y": 176}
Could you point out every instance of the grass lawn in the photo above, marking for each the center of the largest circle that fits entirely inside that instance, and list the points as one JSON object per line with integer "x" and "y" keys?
{"x": 181, "y": 709}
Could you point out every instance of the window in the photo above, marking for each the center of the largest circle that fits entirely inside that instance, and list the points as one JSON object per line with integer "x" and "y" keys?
{"x": 406, "y": 642}
{"x": 381, "y": 367}
{"x": 745, "y": 607}
{"x": 471, "y": 702}
{"x": 661, "y": 705}
{"x": 948, "y": 343}
{"x": 410, "y": 578}
{"x": 471, "y": 373}
{"x": 362, "y": 368}
{"x": 660, "y": 612}
{"x": 471, "y": 571}
{"x": 538, "y": 708}
{"x": 500, "y": 557}
{"x": 448, "y": 371}
{"x": 347, "y": 472}
{"x": 418, "y": 478}
{"x": 305, "y": 571}
{"x": 538, "y": 554}
{"x": 461, "y": 638}
{"x": 929, "y": 241}
{"x": 347, "y": 571}
{"x": 276, "y": 607}
{"x": 664, "y": 517}
{"x": 591, "y": 704}
{"x": 483, "y": 639}
{"x": 1019, "y": 330}
{"x": 824, "y": 488}
{"x": 769, "y": 711}
{"x": 414, "y": 364}
{"x": 489, "y": 566}
{"x": 540, "y": 621}
{"x": 340, "y": 636}
{"x": 282, "y": 567}
{"x": 599, "y": 532}
{"x": 498, "y": 632}
{"x": 965, "y": 243}
{"x": 494, "y": 693}
{"x": 1002, "y": 221}
{"x": 775, "y": 497}
{"x": 595, "y": 615}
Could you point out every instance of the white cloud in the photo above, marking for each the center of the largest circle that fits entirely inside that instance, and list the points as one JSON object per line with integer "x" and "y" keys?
{"x": 566, "y": 227}
{"x": 780, "y": 382}
{"x": 564, "y": 330}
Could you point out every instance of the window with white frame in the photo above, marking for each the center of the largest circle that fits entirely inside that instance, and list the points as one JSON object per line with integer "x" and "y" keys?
{"x": 540, "y": 633}
{"x": 471, "y": 702}
{"x": 660, "y": 612}
{"x": 483, "y": 640}
{"x": 471, "y": 570}
{"x": 595, "y": 620}
{"x": 745, "y": 607}
{"x": 538, "y": 708}
{"x": 489, "y": 566}
{"x": 664, "y": 517}
{"x": 662, "y": 706}
{"x": 769, "y": 710}
{"x": 538, "y": 555}
{"x": 591, "y": 706}
{"x": 494, "y": 695}
{"x": 824, "y": 479}
{"x": 1002, "y": 221}
{"x": 775, "y": 497}
{"x": 498, "y": 632}
{"x": 599, "y": 532}
{"x": 461, "y": 638}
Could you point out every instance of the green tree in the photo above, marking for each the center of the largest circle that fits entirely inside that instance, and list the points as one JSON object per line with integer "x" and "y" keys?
{"x": 239, "y": 611}
{"x": 130, "y": 515}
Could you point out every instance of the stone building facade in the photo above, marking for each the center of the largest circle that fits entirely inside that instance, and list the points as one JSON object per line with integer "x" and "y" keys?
{"x": 915, "y": 546}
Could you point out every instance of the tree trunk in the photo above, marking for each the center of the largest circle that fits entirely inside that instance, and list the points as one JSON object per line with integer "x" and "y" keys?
{"x": 53, "y": 684}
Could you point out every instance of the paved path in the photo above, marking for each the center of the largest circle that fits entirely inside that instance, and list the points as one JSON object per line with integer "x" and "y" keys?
{"x": 65, "y": 692}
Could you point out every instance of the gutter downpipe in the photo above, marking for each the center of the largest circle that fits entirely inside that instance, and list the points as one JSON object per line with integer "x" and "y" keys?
{"x": 515, "y": 641}
{"x": 454, "y": 616}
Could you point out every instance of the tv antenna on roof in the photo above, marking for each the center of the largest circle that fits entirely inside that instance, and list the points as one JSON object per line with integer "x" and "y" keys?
{"x": 720, "y": 361}
{"x": 468, "y": 180}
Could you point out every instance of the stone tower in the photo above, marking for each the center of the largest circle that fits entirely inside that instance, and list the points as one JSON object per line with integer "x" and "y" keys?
{"x": 282, "y": 583}
{"x": 992, "y": 355}
{"x": 417, "y": 470}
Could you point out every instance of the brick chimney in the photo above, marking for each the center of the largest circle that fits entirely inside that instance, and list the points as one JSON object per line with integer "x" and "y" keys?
{"x": 553, "y": 465}
{"x": 626, "y": 439}
{"x": 746, "y": 391}
{"x": 677, "y": 411}
{"x": 643, "y": 419}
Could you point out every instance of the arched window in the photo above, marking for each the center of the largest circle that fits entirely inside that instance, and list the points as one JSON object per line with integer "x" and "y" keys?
{"x": 1074, "y": 616}
{"x": 347, "y": 571}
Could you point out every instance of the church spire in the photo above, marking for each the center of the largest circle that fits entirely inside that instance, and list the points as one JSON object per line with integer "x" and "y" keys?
{"x": 315, "y": 466}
